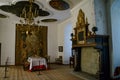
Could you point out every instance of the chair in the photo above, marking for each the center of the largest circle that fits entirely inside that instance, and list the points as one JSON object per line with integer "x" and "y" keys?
{"x": 58, "y": 60}
{"x": 26, "y": 65}
{"x": 48, "y": 61}
{"x": 71, "y": 61}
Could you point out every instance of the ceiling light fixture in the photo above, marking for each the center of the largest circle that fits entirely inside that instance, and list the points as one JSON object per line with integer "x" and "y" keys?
{"x": 29, "y": 13}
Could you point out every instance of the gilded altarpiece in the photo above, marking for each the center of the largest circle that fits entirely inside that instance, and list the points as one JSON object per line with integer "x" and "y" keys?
{"x": 30, "y": 41}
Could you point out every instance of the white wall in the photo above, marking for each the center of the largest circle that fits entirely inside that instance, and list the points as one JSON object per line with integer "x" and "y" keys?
{"x": 88, "y": 8}
{"x": 100, "y": 16}
{"x": 52, "y": 41}
{"x": 7, "y": 39}
{"x": 60, "y": 37}
{"x": 115, "y": 12}
{"x": 67, "y": 43}
{"x": 64, "y": 31}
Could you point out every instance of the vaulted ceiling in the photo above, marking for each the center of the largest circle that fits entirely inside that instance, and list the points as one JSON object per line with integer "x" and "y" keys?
{"x": 49, "y": 10}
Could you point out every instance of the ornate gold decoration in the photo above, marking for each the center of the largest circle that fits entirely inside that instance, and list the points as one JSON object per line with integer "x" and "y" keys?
{"x": 33, "y": 43}
{"x": 59, "y": 4}
{"x": 30, "y": 14}
{"x": 81, "y": 29}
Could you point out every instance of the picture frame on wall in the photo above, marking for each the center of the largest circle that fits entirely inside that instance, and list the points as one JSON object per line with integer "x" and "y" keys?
{"x": 60, "y": 48}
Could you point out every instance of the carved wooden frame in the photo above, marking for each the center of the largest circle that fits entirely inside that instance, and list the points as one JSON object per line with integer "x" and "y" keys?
{"x": 81, "y": 28}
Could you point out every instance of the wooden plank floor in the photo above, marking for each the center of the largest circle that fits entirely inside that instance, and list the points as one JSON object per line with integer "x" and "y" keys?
{"x": 56, "y": 72}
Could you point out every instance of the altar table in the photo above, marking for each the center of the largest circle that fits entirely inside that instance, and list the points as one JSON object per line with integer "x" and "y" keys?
{"x": 37, "y": 63}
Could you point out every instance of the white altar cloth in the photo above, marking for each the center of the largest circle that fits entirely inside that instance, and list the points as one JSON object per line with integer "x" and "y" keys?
{"x": 37, "y": 61}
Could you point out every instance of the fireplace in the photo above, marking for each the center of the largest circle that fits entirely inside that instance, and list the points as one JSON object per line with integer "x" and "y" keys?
{"x": 90, "y": 60}
{"x": 93, "y": 57}
{"x": 91, "y": 51}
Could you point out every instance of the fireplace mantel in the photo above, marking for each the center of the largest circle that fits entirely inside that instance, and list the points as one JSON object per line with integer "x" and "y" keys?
{"x": 85, "y": 45}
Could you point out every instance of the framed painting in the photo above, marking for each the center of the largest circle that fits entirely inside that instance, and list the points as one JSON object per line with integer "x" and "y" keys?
{"x": 81, "y": 37}
{"x": 60, "y": 48}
